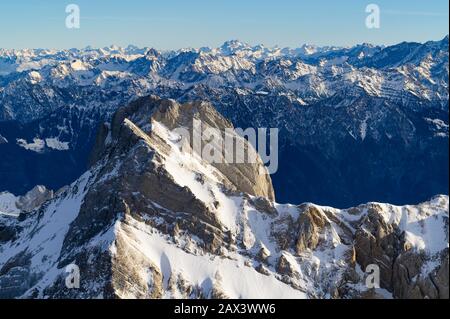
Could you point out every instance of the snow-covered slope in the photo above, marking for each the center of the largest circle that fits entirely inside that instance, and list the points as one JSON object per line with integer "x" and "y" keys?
{"x": 151, "y": 219}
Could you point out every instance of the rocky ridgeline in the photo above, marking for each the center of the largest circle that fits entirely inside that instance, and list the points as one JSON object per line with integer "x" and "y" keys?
{"x": 151, "y": 219}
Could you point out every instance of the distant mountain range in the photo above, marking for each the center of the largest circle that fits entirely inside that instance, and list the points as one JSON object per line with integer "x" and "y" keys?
{"x": 358, "y": 124}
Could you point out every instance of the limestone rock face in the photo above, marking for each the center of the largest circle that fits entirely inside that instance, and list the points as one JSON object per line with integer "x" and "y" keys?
{"x": 387, "y": 243}
{"x": 394, "y": 239}
{"x": 311, "y": 223}
{"x": 152, "y": 219}
{"x": 250, "y": 178}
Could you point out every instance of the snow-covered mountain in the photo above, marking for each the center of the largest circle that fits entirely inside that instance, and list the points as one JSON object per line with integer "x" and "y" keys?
{"x": 383, "y": 109}
{"x": 151, "y": 219}
{"x": 404, "y": 70}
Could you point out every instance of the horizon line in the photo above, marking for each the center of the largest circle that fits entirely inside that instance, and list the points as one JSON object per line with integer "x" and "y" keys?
{"x": 223, "y": 43}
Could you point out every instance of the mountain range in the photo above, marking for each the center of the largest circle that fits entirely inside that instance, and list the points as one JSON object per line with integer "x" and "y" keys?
{"x": 358, "y": 124}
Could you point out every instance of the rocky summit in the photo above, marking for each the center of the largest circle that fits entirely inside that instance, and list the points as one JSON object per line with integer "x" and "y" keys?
{"x": 150, "y": 218}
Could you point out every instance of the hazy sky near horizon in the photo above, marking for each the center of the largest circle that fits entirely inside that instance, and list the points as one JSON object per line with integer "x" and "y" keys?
{"x": 171, "y": 24}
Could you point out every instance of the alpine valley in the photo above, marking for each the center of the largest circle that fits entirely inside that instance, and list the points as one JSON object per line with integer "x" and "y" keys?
{"x": 93, "y": 173}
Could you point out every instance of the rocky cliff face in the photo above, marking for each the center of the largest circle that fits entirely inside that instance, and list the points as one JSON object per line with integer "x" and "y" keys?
{"x": 152, "y": 219}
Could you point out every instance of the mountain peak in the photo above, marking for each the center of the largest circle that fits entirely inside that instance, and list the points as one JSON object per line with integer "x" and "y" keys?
{"x": 232, "y": 46}
{"x": 243, "y": 177}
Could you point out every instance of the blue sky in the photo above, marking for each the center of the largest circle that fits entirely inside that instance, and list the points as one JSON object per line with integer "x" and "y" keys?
{"x": 168, "y": 24}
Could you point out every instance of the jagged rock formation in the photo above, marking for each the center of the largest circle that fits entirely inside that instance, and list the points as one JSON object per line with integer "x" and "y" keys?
{"x": 151, "y": 219}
